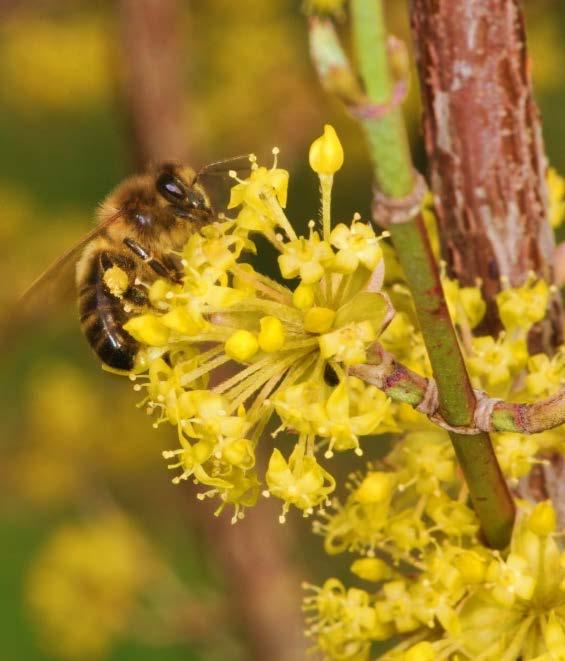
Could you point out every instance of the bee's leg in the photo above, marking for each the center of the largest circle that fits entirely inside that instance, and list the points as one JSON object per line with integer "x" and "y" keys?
{"x": 151, "y": 261}
{"x": 136, "y": 296}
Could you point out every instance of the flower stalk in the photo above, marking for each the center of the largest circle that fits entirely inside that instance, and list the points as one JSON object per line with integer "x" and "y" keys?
{"x": 394, "y": 175}
{"x": 403, "y": 385}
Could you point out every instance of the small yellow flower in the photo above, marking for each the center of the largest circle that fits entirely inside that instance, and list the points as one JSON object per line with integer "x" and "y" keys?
{"x": 301, "y": 481}
{"x": 306, "y": 258}
{"x": 355, "y": 244}
{"x": 516, "y": 453}
{"x": 397, "y": 607}
{"x": 522, "y": 307}
{"x": 351, "y": 410}
{"x": 348, "y": 344}
{"x": 466, "y": 304}
{"x": 261, "y": 183}
{"x": 326, "y": 153}
{"x": 510, "y": 580}
{"x": 182, "y": 320}
{"x": 494, "y": 363}
{"x": 149, "y": 329}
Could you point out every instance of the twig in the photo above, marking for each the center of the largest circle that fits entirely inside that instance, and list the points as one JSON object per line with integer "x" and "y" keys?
{"x": 153, "y": 78}
{"x": 403, "y": 385}
{"x": 397, "y": 186}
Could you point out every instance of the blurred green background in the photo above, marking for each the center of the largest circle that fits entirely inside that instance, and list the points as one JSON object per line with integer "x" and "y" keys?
{"x": 101, "y": 557}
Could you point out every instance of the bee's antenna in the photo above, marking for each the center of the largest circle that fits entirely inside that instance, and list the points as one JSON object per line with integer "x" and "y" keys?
{"x": 216, "y": 166}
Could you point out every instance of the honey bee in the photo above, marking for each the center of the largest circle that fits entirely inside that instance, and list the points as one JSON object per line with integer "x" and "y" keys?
{"x": 141, "y": 224}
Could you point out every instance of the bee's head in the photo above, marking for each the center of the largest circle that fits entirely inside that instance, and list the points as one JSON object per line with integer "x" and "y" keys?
{"x": 178, "y": 187}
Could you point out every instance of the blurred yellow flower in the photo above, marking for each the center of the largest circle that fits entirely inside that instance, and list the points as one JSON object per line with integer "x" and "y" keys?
{"x": 54, "y": 65}
{"x": 84, "y": 584}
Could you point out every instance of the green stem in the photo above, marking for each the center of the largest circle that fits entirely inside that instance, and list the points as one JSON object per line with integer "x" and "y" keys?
{"x": 388, "y": 142}
{"x": 390, "y": 155}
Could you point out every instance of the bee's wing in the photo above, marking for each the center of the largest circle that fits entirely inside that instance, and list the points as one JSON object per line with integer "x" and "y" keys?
{"x": 55, "y": 285}
{"x": 215, "y": 177}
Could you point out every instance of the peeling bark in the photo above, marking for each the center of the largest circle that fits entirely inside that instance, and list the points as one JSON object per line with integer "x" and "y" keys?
{"x": 484, "y": 143}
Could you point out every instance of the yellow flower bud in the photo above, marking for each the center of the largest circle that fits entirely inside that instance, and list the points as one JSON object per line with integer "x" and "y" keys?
{"x": 377, "y": 487}
{"x": 318, "y": 320}
{"x": 243, "y": 284}
{"x": 303, "y": 296}
{"x": 181, "y": 321}
{"x": 371, "y": 569}
{"x": 326, "y": 152}
{"x": 149, "y": 329}
{"x": 272, "y": 335}
{"x": 240, "y": 453}
{"x": 241, "y": 345}
{"x": 554, "y": 634}
{"x": 471, "y": 567}
{"x": 423, "y": 651}
{"x": 542, "y": 520}
{"x": 117, "y": 281}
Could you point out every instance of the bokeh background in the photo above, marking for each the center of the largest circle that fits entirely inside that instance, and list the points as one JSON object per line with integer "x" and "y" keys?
{"x": 101, "y": 557}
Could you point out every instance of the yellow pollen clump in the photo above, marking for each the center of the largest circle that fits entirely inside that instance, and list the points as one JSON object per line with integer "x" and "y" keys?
{"x": 375, "y": 488}
{"x": 318, "y": 319}
{"x": 241, "y": 345}
{"x": 271, "y": 336}
{"x": 117, "y": 281}
{"x": 543, "y": 520}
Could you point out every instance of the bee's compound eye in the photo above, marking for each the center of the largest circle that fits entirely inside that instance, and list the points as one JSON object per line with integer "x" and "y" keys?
{"x": 170, "y": 188}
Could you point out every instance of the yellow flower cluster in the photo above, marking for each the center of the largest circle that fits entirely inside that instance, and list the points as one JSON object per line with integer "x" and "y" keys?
{"x": 58, "y": 65}
{"x": 435, "y": 583}
{"x": 501, "y": 366}
{"x": 68, "y": 583}
{"x": 434, "y": 579}
{"x": 229, "y": 347}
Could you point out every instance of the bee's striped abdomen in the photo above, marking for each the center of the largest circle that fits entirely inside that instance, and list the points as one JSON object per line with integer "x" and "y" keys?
{"x": 102, "y": 315}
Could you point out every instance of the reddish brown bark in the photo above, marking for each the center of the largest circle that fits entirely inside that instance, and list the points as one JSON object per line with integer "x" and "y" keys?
{"x": 483, "y": 139}
{"x": 153, "y": 78}
{"x": 263, "y": 582}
